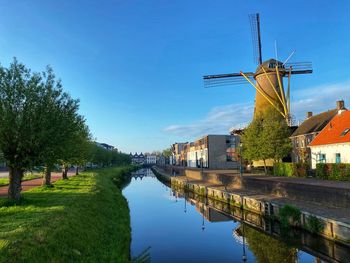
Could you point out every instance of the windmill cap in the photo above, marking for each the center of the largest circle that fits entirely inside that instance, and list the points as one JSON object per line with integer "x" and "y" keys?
{"x": 269, "y": 66}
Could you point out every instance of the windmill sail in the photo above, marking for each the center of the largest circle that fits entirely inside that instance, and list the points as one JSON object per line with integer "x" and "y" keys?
{"x": 211, "y": 81}
{"x": 254, "y": 20}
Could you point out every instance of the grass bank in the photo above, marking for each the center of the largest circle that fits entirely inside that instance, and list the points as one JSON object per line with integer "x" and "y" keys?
{"x": 83, "y": 219}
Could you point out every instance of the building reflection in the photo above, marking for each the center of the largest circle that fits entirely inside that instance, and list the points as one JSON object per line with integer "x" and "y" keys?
{"x": 141, "y": 173}
{"x": 265, "y": 239}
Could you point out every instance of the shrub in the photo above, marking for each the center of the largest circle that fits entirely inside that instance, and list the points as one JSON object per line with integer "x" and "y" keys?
{"x": 314, "y": 225}
{"x": 321, "y": 171}
{"x": 333, "y": 171}
{"x": 291, "y": 169}
{"x": 284, "y": 169}
{"x": 289, "y": 215}
{"x": 302, "y": 169}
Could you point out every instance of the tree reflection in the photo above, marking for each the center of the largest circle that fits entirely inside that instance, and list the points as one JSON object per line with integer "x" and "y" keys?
{"x": 268, "y": 249}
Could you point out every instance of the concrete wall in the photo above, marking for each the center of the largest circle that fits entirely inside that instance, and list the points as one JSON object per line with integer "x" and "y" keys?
{"x": 269, "y": 185}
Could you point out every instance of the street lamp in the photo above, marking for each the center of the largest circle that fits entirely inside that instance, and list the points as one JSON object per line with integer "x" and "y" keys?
{"x": 240, "y": 159}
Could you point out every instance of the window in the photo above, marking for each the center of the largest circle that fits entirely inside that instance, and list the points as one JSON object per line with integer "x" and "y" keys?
{"x": 322, "y": 158}
{"x": 308, "y": 140}
{"x": 337, "y": 158}
{"x": 345, "y": 132}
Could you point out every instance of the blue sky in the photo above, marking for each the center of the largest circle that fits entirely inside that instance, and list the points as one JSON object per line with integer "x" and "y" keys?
{"x": 137, "y": 66}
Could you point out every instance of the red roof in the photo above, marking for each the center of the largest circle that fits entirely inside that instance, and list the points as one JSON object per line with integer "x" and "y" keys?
{"x": 336, "y": 131}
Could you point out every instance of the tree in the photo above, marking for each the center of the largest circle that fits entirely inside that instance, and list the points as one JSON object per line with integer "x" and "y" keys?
{"x": 23, "y": 119}
{"x": 2, "y": 159}
{"x": 167, "y": 152}
{"x": 36, "y": 119}
{"x": 76, "y": 145}
{"x": 60, "y": 127}
{"x": 103, "y": 157}
{"x": 267, "y": 137}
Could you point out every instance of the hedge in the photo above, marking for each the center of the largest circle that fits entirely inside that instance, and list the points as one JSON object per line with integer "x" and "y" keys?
{"x": 333, "y": 171}
{"x": 291, "y": 169}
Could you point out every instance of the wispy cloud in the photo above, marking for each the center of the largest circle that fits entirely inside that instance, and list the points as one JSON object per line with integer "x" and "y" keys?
{"x": 220, "y": 119}
{"x": 320, "y": 98}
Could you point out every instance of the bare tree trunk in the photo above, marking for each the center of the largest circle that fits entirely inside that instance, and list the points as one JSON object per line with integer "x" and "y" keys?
{"x": 47, "y": 176}
{"x": 265, "y": 167}
{"x": 15, "y": 188}
{"x": 65, "y": 173}
{"x": 77, "y": 170}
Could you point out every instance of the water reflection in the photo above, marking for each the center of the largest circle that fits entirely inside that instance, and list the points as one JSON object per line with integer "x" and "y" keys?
{"x": 184, "y": 227}
{"x": 264, "y": 237}
{"x": 141, "y": 173}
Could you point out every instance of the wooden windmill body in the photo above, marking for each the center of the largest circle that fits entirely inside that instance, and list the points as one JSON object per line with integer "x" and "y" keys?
{"x": 267, "y": 79}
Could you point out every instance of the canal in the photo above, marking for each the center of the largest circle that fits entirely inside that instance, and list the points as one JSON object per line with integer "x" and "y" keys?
{"x": 170, "y": 225}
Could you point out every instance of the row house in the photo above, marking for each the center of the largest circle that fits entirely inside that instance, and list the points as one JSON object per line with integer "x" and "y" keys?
{"x": 137, "y": 158}
{"x": 210, "y": 151}
{"x": 163, "y": 160}
{"x": 178, "y": 157}
{"x": 309, "y": 130}
{"x": 151, "y": 159}
{"x": 332, "y": 145}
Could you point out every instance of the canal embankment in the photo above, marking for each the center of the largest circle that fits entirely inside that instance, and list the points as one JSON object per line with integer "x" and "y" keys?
{"x": 326, "y": 203}
{"x": 82, "y": 219}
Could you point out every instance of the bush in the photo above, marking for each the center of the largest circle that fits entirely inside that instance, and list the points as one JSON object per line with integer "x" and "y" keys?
{"x": 289, "y": 215}
{"x": 284, "y": 169}
{"x": 302, "y": 169}
{"x": 333, "y": 171}
{"x": 291, "y": 169}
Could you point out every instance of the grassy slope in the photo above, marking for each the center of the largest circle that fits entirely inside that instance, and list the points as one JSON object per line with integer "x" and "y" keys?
{"x": 83, "y": 219}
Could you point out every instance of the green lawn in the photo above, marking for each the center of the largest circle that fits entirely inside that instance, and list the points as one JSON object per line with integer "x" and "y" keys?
{"x": 29, "y": 176}
{"x": 83, "y": 219}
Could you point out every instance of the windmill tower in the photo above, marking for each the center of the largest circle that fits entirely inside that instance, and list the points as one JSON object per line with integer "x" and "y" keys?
{"x": 267, "y": 79}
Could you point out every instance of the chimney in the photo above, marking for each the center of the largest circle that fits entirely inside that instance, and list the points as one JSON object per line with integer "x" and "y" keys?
{"x": 340, "y": 105}
{"x": 308, "y": 114}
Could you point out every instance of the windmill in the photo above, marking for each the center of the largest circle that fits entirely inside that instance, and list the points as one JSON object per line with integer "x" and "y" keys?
{"x": 268, "y": 77}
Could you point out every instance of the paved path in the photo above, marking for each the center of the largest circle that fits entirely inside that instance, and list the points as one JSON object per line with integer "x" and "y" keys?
{"x": 26, "y": 185}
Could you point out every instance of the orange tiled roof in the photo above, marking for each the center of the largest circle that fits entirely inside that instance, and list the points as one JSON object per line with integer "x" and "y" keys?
{"x": 333, "y": 132}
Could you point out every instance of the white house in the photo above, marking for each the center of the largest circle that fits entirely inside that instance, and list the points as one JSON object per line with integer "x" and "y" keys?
{"x": 332, "y": 144}
{"x": 151, "y": 159}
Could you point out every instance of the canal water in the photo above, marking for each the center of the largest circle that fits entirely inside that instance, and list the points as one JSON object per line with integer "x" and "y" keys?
{"x": 172, "y": 226}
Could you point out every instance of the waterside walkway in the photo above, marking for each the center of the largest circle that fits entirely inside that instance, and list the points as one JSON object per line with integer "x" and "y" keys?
{"x": 29, "y": 184}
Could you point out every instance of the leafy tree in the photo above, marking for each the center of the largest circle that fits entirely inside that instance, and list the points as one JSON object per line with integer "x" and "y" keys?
{"x": 60, "y": 127}
{"x": 76, "y": 145}
{"x": 103, "y": 157}
{"x": 38, "y": 122}
{"x": 267, "y": 137}
{"x": 2, "y": 159}
{"x": 167, "y": 152}
{"x": 24, "y": 121}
